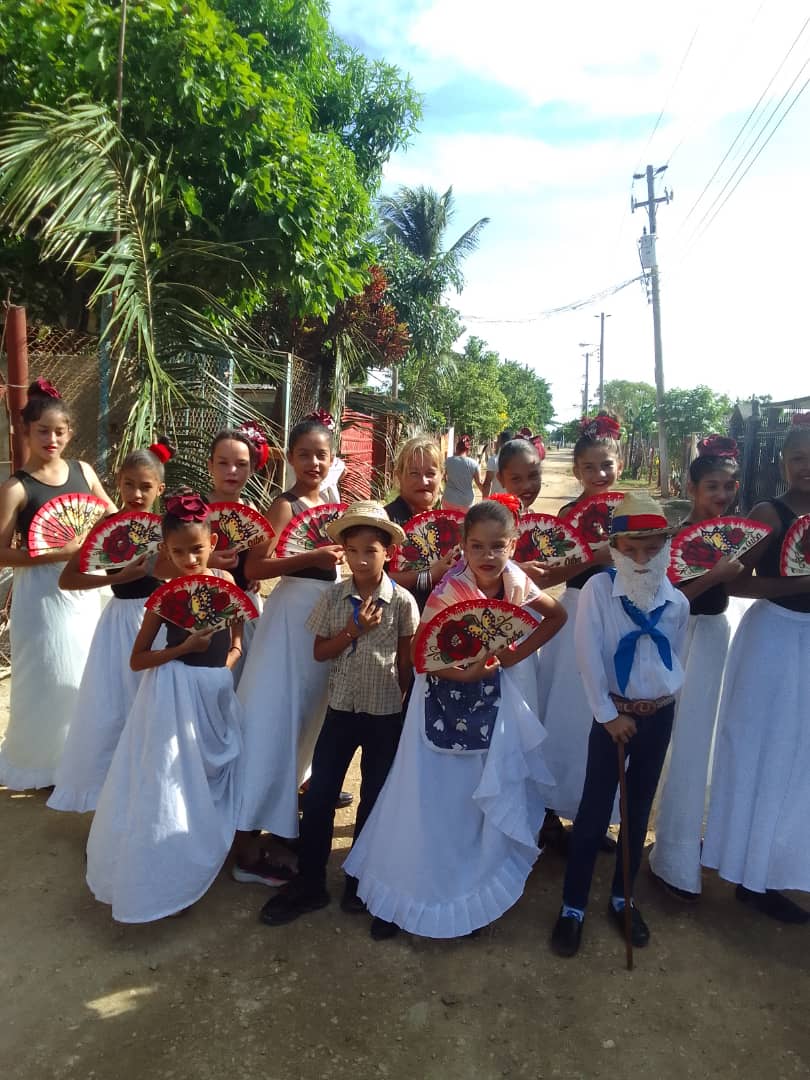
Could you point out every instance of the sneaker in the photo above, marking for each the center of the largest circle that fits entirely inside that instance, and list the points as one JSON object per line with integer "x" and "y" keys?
{"x": 262, "y": 872}
{"x": 639, "y": 931}
{"x": 344, "y": 799}
{"x": 382, "y": 930}
{"x": 296, "y": 899}
{"x": 774, "y": 905}
{"x": 683, "y": 895}
{"x": 566, "y": 935}
{"x": 350, "y": 902}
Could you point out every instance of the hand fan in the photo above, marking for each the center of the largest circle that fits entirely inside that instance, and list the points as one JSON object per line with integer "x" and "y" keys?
{"x": 795, "y": 558}
{"x": 62, "y": 519}
{"x": 430, "y": 536}
{"x": 463, "y": 633}
{"x": 120, "y": 540}
{"x": 306, "y": 531}
{"x": 592, "y": 517}
{"x": 546, "y": 539}
{"x": 201, "y": 602}
{"x": 697, "y": 548}
{"x": 238, "y": 527}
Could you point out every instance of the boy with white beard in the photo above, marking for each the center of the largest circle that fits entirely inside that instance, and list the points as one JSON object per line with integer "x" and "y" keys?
{"x": 630, "y": 633}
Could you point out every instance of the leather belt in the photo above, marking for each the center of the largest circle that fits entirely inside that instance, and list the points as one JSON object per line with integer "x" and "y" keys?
{"x": 641, "y": 707}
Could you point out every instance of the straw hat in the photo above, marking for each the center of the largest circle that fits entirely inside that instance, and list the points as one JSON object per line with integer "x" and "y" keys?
{"x": 368, "y": 513}
{"x": 640, "y": 515}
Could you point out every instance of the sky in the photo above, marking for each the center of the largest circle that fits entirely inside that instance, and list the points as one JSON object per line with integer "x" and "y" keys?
{"x": 539, "y": 114}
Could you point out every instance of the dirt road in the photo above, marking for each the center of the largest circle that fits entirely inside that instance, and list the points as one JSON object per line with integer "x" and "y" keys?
{"x": 213, "y": 995}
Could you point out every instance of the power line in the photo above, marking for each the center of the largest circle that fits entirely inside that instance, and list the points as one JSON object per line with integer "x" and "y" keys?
{"x": 671, "y": 90}
{"x": 575, "y": 306}
{"x": 744, "y": 125}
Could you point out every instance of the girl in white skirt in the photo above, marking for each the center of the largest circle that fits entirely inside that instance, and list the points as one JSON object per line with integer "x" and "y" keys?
{"x": 562, "y": 705}
{"x": 98, "y": 717}
{"x": 675, "y": 858}
{"x": 756, "y": 834}
{"x": 51, "y": 631}
{"x": 166, "y": 816}
{"x": 236, "y": 453}
{"x": 451, "y": 839}
{"x": 283, "y": 689}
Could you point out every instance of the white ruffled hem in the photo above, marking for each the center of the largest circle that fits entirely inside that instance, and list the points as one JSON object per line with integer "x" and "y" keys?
{"x": 73, "y": 800}
{"x": 163, "y": 913}
{"x": 16, "y": 779}
{"x": 457, "y": 917}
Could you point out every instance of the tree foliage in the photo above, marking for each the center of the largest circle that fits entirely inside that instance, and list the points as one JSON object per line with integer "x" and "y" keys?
{"x": 528, "y": 397}
{"x": 633, "y": 404}
{"x": 272, "y": 131}
{"x": 698, "y": 411}
{"x": 473, "y": 401}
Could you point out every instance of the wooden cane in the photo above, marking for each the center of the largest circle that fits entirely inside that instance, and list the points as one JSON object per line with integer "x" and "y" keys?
{"x": 625, "y": 838}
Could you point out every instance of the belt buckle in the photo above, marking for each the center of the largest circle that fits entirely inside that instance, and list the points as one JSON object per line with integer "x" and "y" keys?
{"x": 644, "y": 708}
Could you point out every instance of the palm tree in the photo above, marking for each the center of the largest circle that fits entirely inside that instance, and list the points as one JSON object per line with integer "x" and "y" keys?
{"x": 96, "y": 202}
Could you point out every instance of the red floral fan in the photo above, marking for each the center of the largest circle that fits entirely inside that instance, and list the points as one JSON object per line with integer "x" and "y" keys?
{"x": 120, "y": 540}
{"x": 795, "y": 558}
{"x": 201, "y": 602}
{"x": 238, "y": 527}
{"x": 430, "y": 536}
{"x": 307, "y": 530}
{"x": 592, "y": 516}
{"x": 463, "y": 633}
{"x": 546, "y": 539}
{"x": 62, "y": 519}
{"x": 697, "y": 548}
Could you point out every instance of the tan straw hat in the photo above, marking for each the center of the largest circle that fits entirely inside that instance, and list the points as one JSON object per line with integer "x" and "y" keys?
{"x": 637, "y": 515}
{"x": 368, "y": 513}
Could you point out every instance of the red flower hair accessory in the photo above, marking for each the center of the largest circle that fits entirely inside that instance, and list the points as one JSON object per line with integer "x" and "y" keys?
{"x": 524, "y": 433}
{"x": 600, "y": 427}
{"x": 718, "y": 446}
{"x": 162, "y": 450}
{"x": 511, "y": 502}
{"x": 258, "y": 439}
{"x": 187, "y": 506}
{"x": 464, "y": 441}
{"x": 321, "y": 416}
{"x": 801, "y": 419}
{"x": 42, "y": 386}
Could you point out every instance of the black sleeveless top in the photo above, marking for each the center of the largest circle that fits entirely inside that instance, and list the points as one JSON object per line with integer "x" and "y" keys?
{"x": 139, "y": 589}
{"x": 768, "y": 565}
{"x": 400, "y": 513}
{"x": 713, "y": 601}
{"x": 315, "y": 573}
{"x": 578, "y": 580}
{"x": 214, "y": 656}
{"x": 37, "y": 494}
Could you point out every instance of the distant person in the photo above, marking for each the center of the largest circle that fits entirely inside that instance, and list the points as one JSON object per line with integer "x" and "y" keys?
{"x": 492, "y": 485}
{"x": 462, "y": 473}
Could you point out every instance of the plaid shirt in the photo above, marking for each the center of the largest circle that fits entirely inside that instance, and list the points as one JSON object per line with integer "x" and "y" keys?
{"x": 365, "y": 679}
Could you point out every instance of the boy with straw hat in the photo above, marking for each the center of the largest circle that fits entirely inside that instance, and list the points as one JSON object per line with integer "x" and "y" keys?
{"x": 364, "y": 626}
{"x": 630, "y": 631}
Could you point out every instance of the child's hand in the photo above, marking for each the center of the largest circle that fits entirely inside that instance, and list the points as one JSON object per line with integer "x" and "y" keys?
{"x": 726, "y": 569}
{"x": 133, "y": 572}
{"x": 369, "y": 615}
{"x": 536, "y": 572}
{"x": 226, "y": 559}
{"x": 507, "y": 657}
{"x": 602, "y": 556}
{"x": 71, "y": 547}
{"x": 328, "y": 557}
{"x": 198, "y": 642}
{"x": 622, "y": 729}
{"x": 440, "y": 567}
{"x": 481, "y": 669}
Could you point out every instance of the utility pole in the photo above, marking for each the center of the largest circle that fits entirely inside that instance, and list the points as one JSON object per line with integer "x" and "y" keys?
{"x": 601, "y": 316}
{"x": 650, "y": 205}
{"x": 585, "y": 391}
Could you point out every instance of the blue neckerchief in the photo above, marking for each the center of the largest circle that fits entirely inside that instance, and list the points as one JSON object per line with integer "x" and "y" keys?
{"x": 357, "y": 603}
{"x": 647, "y": 623}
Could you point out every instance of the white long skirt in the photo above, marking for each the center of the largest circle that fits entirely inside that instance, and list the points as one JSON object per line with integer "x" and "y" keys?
{"x": 167, "y": 813}
{"x": 106, "y": 694}
{"x": 452, "y": 837}
{"x": 757, "y": 831}
{"x": 284, "y": 691}
{"x": 566, "y": 715}
{"x": 248, "y": 634}
{"x": 50, "y": 634}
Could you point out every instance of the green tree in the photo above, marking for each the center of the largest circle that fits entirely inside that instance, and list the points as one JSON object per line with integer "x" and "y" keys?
{"x": 272, "y": 133}
{"x": 528, "y": 397}
{"x": 473, "y": 400}
{"x": 699, "y": 411}
{"x": 633, "y": 404}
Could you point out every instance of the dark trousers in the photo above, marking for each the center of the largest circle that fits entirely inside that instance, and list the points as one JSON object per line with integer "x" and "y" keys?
{"x": 341, "y": 735}
{"x": 646, "y": 752}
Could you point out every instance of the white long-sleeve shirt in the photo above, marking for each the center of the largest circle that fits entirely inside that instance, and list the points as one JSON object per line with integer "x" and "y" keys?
{"x": 601, "y": 624}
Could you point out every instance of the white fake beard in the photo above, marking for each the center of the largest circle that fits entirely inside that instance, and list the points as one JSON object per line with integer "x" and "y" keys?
{"x": 641, "y": 584}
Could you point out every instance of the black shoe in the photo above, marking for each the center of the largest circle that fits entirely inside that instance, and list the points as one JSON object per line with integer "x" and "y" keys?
{"x": 639, "y": 931}
{"x": 774, "y": 905}
{"x": 344, "y": 799}
{"x": 382, "y": 930}
{"x": 566, "y": 935}
{"x": 554, "y": 834}
{"x": 607, "y": 844}
{"x": 297, "y": 898}
{"x": 350, "y": 902}
{"x": 679, "y": 894}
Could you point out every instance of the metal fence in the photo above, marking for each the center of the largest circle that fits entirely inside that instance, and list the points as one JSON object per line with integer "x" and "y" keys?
{"x": 760, "y": 438}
